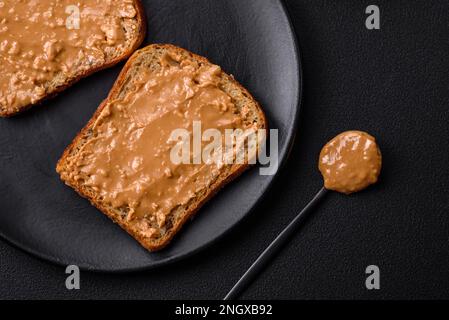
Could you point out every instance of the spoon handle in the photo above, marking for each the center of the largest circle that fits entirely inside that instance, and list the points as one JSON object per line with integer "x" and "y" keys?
{"x": 273, "y": 248}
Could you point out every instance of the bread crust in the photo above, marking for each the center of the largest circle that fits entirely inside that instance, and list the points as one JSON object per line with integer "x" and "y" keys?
{"x": 237, "y": 169}
{"x": 142, "y": 23}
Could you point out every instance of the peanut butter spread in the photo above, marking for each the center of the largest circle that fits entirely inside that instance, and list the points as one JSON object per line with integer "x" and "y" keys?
{"x": 350, "y": 162}
{"x": 45, "y": 42}
{"x": 127, "y": 161}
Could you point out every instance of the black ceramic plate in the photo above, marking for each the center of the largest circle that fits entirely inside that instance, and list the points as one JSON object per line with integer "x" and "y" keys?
{"x": 253, "y": 40}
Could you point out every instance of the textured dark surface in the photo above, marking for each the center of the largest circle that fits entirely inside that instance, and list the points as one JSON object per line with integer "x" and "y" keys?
{"x": 392, "y": 83}
{"x": 55, "y": 223}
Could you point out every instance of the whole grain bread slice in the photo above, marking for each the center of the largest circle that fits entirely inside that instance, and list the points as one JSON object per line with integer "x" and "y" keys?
{"x": 134, "y": 32}
{"x": 148, "y": 58}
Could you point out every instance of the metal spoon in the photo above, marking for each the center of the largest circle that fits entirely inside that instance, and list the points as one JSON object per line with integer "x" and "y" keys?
{"x": 348, "y": 155}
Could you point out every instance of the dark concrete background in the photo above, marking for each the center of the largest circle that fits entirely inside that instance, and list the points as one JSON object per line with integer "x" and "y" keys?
{"x": 392, "y": 83}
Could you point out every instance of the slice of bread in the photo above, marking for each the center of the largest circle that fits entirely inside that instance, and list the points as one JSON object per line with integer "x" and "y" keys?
{"x": 148, "y": 60}
{"x": 47, "y": 45}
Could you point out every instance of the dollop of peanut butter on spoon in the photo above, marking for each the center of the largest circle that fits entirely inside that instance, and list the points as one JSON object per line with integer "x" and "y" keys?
{"x": 350, "y": 162}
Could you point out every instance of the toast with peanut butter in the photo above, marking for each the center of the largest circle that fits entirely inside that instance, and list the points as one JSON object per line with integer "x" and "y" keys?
{"x": 47, "y": 45}
{"x": 129, "y": 160}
